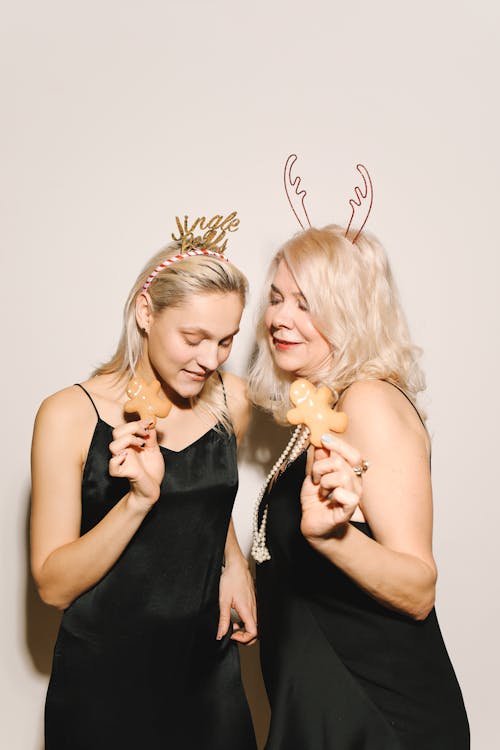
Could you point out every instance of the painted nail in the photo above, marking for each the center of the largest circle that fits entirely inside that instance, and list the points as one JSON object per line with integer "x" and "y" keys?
{"x": 327, "y": 438}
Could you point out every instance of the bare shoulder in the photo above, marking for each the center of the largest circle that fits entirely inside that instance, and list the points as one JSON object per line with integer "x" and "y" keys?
{"x": 380, "y": 409}
{"x": 68, "y": 410}
{"x": 237, "y": 401}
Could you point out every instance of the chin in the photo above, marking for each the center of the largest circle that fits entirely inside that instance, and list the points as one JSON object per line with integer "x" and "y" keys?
{"x": 190, "y": 390}
{"x": 287, "y": 364}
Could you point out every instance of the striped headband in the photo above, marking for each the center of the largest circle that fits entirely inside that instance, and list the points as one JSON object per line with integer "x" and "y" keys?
{"x": 212, "y": 241}
{"x": 176, "y": 259}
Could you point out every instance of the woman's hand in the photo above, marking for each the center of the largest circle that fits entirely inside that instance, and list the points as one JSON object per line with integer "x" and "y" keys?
{"x": 236, "y": 591}
{"x": 331, "y": 491}
{"x": 136, "y": 456}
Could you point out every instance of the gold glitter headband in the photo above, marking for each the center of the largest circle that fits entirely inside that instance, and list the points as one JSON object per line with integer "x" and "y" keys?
{"x": 213, "y": 241}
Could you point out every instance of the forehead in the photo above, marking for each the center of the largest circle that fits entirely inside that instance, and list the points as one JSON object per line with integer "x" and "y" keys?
{"x": 284, "y": 280}
{"x": 218, "y": 313}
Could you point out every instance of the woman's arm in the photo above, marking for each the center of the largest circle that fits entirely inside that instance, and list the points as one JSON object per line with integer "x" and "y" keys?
{"x": 397, "y": 567}
{"x": 64, "y": 565}
{"x": 236, "y": 584}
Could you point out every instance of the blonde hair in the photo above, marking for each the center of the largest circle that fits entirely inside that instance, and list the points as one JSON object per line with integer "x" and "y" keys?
{"x": 171, "y": 288}
{"x": 354, "y": 304}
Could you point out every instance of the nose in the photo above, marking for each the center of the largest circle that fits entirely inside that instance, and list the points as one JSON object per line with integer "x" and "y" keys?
{"x": 208, "y": 355}
{"x": 281, "y": 316}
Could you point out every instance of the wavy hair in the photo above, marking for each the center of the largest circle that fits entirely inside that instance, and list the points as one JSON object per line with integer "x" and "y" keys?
{"x": 354, "y": 304}
{"x": 171, "y": 288}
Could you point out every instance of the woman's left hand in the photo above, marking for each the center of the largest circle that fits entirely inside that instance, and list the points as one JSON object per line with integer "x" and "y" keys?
{"x": 331, "y": 490}
{"x": 236, "y": 591}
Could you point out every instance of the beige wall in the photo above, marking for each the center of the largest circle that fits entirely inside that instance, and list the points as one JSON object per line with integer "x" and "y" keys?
{"x": 118, "y": 115}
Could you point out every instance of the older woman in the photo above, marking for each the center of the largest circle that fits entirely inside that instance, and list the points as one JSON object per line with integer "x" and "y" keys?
{"x": 352, "y": 653}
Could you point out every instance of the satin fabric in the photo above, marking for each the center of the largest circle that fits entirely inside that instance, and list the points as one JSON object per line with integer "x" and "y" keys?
{"x": 136, "y": 662}
{"x": 343, "y": 672}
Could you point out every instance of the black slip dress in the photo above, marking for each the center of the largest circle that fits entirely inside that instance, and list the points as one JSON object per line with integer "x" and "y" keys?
{"x": 136, "y": 664}
{"x": 342, "y": 672}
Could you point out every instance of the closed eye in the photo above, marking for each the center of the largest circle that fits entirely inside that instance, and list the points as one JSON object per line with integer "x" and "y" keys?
{"x": 276, "y": 298}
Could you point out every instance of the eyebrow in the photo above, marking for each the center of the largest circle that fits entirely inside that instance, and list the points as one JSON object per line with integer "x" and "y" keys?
{"x": 206, "y": 334}
{"x": 274, "y": 288}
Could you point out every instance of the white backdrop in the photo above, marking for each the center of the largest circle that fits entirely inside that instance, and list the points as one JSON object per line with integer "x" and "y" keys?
{"x": 117, "y": 115}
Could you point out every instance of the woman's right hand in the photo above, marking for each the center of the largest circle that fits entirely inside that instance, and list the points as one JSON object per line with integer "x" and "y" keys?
{"x": 65, "y": 562}
{"x": 137, "y": 457}
{"x": 331, "y": 491}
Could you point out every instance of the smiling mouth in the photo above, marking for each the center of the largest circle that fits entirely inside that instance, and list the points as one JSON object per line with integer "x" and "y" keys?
{"x": 197, "y": 375}
{"x": 283, "y": 344}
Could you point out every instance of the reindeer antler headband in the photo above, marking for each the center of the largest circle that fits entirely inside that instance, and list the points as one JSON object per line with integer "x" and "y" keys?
{"x": 213, "y": 241}
{"x": 361, "y": 204}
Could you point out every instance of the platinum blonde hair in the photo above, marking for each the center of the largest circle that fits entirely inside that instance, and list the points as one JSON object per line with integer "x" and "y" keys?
{"x": 172, "y": 287}
{"x": 354, "y": 304}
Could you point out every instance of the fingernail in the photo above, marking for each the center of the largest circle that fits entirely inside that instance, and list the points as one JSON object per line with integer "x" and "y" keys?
{"x": 327, "y": 438}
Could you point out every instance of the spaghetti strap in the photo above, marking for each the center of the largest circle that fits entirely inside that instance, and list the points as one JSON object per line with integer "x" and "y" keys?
{"x": 389, "y": 382}
{"x": 223, "y": 388}
{"x": 90, "y": 399}
{"x": 408, "y": 399}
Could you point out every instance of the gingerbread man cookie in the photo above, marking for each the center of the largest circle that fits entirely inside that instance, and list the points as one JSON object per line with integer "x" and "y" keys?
{"x": 144, "y": 400}
{"x": 313, "y": 409}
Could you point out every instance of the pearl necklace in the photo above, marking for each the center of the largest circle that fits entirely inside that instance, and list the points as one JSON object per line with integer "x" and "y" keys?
{"x": 294, "y": 448}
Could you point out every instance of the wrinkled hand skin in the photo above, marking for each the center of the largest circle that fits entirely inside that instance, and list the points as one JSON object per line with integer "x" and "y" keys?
{"x": 313, "y": 409}
{"x": 144, "y": 400}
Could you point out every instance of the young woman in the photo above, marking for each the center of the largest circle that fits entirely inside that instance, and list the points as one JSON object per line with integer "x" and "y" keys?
{"x": 352, "y": 653}
{"x": 131, "y": 524}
